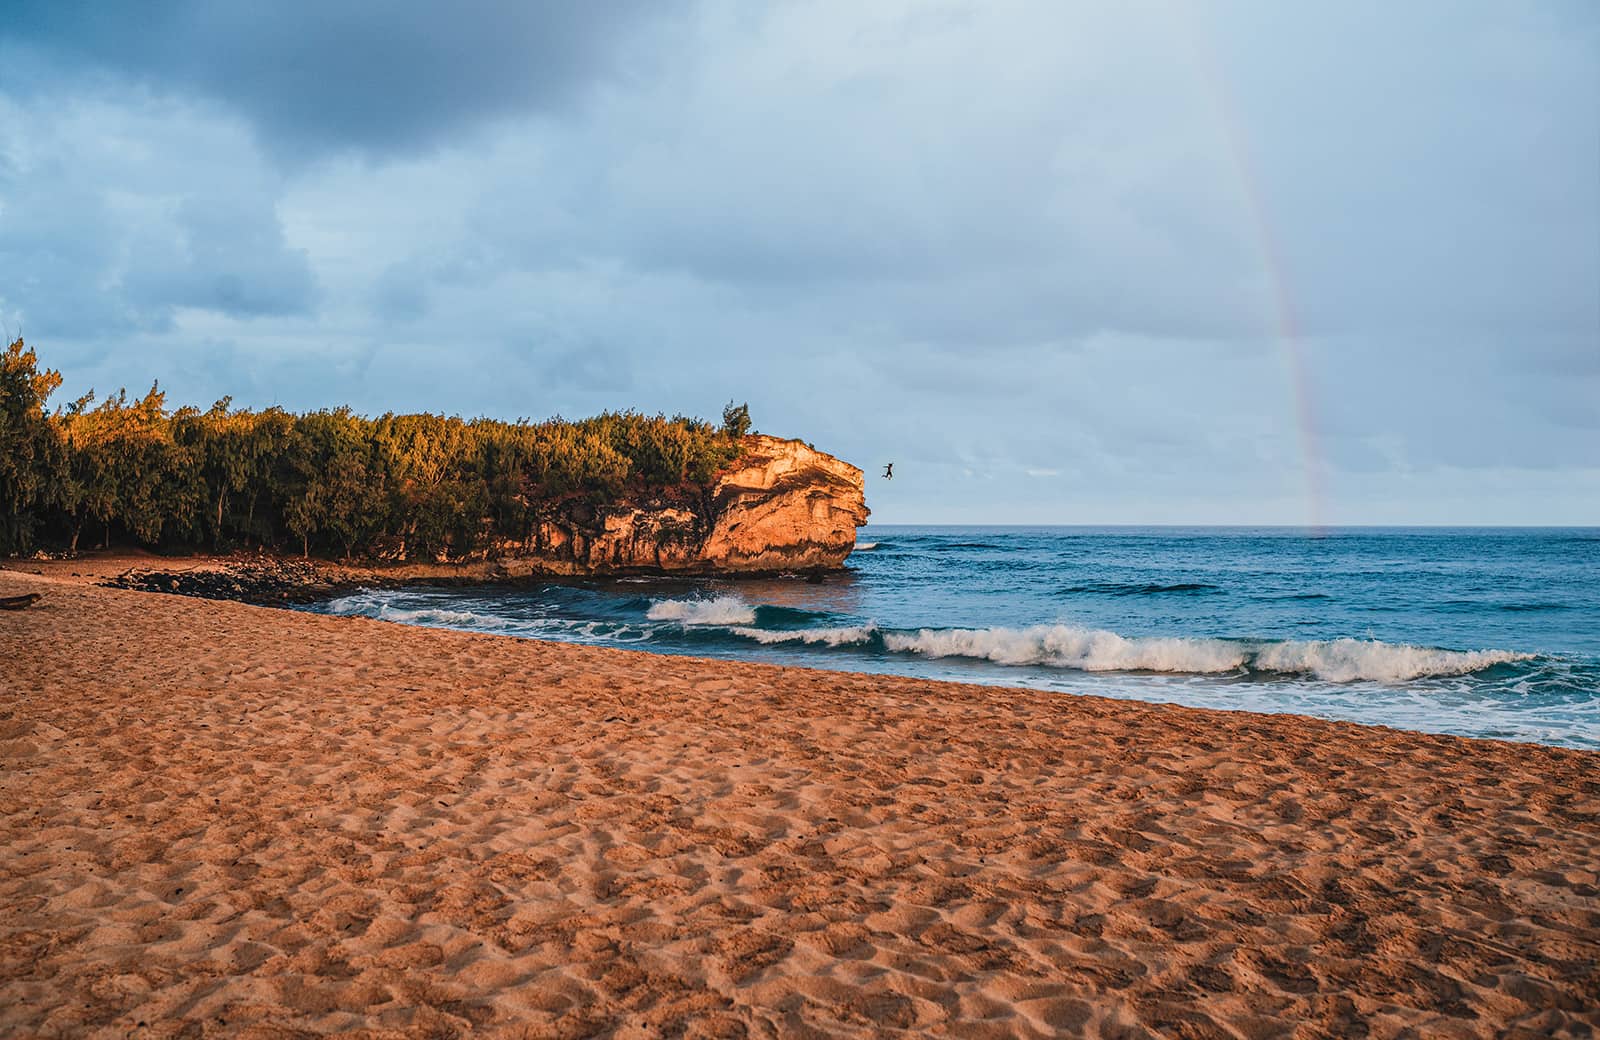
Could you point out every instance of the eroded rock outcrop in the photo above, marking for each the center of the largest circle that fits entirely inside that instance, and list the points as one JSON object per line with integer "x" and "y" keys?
{"x": 786, "y": 507}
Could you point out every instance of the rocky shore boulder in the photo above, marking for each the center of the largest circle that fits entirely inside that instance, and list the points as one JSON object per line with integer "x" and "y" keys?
{"x": 261, "y": 579}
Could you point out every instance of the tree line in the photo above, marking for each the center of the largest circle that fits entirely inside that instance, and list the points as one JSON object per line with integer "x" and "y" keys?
{"x": 328, "y": 482}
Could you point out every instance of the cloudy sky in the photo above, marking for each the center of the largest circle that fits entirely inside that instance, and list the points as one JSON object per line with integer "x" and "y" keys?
{"x": 1074, "y": 263}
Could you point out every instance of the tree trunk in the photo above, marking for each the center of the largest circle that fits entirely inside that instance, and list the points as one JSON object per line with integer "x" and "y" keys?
{"x": 76, "y": 529}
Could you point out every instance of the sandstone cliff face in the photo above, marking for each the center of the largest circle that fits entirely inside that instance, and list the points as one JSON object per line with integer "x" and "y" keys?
{"x": 787, "y": 507}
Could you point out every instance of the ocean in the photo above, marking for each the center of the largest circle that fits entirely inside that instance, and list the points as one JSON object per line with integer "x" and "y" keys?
{"x": 1471, "y": 631}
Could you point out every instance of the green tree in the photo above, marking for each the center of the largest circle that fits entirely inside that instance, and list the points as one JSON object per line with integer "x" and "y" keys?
{"x": 735, "y": 420}
{"x": 29, "y": 446}
{"x": 336, "y": 496}
{"x": 217, "y": 463}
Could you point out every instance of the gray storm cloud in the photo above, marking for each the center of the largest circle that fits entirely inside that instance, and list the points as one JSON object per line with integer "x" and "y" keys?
{"x": 341, "y": 75}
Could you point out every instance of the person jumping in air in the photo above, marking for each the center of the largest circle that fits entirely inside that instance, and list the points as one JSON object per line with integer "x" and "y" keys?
{"x": 888, "y": 472}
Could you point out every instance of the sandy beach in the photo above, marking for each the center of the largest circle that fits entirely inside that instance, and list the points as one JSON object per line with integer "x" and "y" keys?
{"x": 224, "y": 820}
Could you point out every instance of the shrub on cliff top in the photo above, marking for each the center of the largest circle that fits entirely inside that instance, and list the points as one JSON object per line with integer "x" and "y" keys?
{"x": 736, "y": 419}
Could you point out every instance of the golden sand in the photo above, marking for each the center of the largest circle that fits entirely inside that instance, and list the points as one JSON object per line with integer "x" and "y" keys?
{"x": 227, "y": 820}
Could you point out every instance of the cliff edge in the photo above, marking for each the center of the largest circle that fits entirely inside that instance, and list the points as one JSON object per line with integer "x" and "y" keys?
{"x": 784, "y": 507}
{"x": 788, "y": 506}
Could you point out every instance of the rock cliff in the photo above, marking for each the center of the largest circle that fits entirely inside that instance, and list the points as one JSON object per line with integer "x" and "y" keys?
{"x": 785, "y": 507}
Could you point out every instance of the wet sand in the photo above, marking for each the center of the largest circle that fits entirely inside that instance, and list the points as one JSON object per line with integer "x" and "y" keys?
{"x": 218, "y": 819}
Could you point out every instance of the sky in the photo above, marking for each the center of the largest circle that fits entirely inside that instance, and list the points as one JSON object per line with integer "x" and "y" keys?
{"x": 1167, "y": 262}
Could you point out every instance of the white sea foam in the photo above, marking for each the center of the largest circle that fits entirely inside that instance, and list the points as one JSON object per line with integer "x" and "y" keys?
{"x": 865, "y": 546}
{"x": 355, "y": 603}
{"x": 374, "y": 605}
{"x": 440, "y": 616}
{"x": 1053, "y": 646}
{"x": 1067, "y": 646}
{"x": 724, "y": 610}
{"x": 1348, "y": 660}
{"x": 849, "y": 636}
{"x": 1096, "y": 650}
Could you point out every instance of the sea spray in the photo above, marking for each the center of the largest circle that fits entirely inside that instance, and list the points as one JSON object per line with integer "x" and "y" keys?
{"x": 723, "y": 610}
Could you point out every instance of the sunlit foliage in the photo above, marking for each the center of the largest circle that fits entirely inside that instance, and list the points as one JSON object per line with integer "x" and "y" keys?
{"x": 329, "y": 482}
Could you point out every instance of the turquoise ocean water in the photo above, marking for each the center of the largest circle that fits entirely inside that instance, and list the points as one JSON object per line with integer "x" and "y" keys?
{"x": 1473, "y": 631}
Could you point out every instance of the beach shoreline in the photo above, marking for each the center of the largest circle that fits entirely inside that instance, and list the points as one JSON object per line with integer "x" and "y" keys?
{"x": 225, "y": 820}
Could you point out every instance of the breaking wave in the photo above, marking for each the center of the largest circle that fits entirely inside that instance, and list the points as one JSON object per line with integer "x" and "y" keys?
{"x": 368, "y": 605}
{"x": 1067, "y": 646}
{"x": 1048, "y": 646}
{"x": 724, "y": 610}
{"x": 1347, "y": 660}
{"x": 1096, "y": 650}
{"x": 849, "y": 635}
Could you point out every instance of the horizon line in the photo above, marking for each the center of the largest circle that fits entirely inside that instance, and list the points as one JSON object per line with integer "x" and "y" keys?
{"x": 1262, "y": 526}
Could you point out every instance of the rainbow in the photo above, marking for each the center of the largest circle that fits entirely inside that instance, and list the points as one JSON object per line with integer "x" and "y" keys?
{"x": 1285, "y": 325}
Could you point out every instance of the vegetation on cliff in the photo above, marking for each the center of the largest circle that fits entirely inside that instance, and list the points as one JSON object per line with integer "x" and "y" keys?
{"x": 328, "y": 482}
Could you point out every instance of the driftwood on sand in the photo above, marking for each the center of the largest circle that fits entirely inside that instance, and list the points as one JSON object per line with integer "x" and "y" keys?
{"x": 19, "y": 602}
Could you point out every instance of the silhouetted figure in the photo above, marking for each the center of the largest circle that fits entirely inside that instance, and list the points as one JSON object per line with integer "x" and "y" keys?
{"x": 888, "y": 472}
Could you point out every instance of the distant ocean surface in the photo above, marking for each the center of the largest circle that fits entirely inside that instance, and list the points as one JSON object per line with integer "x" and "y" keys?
{"x": 1479, "y": 632}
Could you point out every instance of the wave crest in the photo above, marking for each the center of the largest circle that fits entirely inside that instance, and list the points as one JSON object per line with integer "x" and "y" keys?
{"x": 1096, "y": 650}
{"x": 1067, "y": 646}
{"x": 723, "y": 610}
{"x": 1350, "y": 660}
{"x": 847, "y": 636}
{"x": 1073, "y": 647}
{"x": 368, "y": 605}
